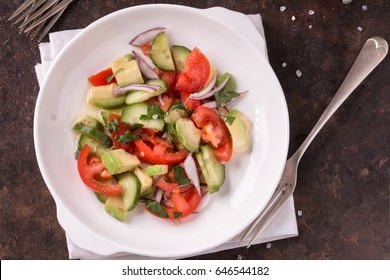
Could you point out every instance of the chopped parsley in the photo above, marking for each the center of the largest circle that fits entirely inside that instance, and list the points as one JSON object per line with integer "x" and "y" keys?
{"x": 181, "y": 177}
{"x": 156, "y": 208}
{"x": 112, "y": 125}
{"x": 127, "y": 137}
{"x": 222, "y": 97}
{"x": 154, "y": 113}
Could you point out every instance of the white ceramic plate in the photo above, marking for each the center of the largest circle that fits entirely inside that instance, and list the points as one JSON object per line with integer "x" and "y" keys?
{"x": 251, "y": 177}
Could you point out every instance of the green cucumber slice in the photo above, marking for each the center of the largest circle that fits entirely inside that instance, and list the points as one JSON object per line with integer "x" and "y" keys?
{"x": 132, "y": 113}
{"x": 179, "y": 55}
{"x": 131, "y": 188}
{"x": 161, "y": 54}
{"x": 96, "y": 134}
{"x": 140, "y": 95}
{"x": 212, "y": 170}
{"x": 97, "y": 147}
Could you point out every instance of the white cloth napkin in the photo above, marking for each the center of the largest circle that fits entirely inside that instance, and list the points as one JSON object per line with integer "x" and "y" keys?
{"x": 283, "y": 226}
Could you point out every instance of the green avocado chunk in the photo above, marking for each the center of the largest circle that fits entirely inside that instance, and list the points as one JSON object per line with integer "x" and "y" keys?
{"x": 119, "y": 161}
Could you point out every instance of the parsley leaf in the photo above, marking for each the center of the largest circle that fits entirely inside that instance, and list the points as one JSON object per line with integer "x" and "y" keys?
{"x": 154, "y": 113}
{"x": 222, "y": 97}
{"x": 177, "y": 215}
{"x": 156, "y": 208}
{"x": 178, "y": 105}
{"x": 127, "y": 137}
{"x": 112, "y": 125}
{"x": 181, "y": 177}
{"x": 228, "y": 119}
{"x": 136, "y": 126}
{"x": 109, "y": 78}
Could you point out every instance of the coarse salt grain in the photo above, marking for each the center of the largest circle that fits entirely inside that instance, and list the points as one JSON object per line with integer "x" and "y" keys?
{"x": 359, "y": 28}
{"x": 347, "y": 1}
{"x": 142, "y": 154}
{"x": 310, "y": 26}
{"x": 299, "y": 73}
{"x": 299, "y": 213}
{"x": 292, "y": 18}
{"x": 284, "y": 64}
{"x": 311, "y": 12}
{"x": 282, "y": 8}
{"x": 269, "y": 245}
{"x": 364, "y": 7}
{"x": 155, "y": 117}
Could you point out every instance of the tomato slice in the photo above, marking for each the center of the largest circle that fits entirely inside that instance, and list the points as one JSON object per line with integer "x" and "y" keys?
{"x": 99, "y": 79}
{"x": 214, "y": 131}
{"x": 159, "y": 152}
{"x": 92, "y": 171}
{"x": 195, "y": 73}
{"x": 190, "y": 104}
{"x": 171, "y": 186}
{"x": 145, "y": 49}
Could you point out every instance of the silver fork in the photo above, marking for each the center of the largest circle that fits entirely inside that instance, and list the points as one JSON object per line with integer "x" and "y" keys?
{"x": 373, "y": 52}
{"x": 33, "y": 15}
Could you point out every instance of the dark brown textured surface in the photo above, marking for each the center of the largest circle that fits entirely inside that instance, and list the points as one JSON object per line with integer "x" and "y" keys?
{"x": 343, "y": 186}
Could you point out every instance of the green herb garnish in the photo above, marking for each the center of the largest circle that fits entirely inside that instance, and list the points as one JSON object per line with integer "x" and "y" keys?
{"x": 112, "y": 125}
{"x": 154, "y": 113}
{"x": 177, "y": 215}
{"x": 156, "y": 208}
{"x": 228, "y": 119}
{"x": 127, "y": 137}
{"x": 222, "y": 97}
{"x": 180, "y": 176}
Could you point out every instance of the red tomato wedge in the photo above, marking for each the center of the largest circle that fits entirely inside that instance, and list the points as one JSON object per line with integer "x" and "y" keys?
{"x": 214, "y": 131}
{"x": 195, "y": 73}
{"x": 99, "y": 79}
{"x": 93, "y": 172}
{"x": 159, "y": 152}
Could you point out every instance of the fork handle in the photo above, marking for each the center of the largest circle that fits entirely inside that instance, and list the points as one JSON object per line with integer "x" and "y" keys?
{"x": 372, "y": 53}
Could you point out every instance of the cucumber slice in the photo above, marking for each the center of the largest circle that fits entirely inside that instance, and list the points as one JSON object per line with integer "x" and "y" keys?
{"x": 97, "y": 148}
{"x": 96, "y": 134}
{"x": 131, "y": 187}
{"x": 161, "y": 54}
{"x": 101, "y": 197}
{"x": 132, "y": 113}
{"x": 179, "y": 55}
{"x": 140, "y": 95}
{"x": 212, "y": 170}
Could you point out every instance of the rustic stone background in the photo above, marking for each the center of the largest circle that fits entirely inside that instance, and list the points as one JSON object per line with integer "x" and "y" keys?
{"x": 343, "y": 185}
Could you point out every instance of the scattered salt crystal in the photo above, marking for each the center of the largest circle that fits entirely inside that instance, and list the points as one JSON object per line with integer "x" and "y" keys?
{"x": 292, "y": 18}
{"x": 347, "y": 1}
{"x": 284, "y": 64}
{"x": 142, "y": 154}
{"x": 310, "y": 26}
{"x": 359, "y": 28}
{"x": 239, "y": 257}
{"x": 311, "y": 12}
{"x": 282, "y": 8}
{"x": 299, "y": 73}
{"x": 155, "y": 117}
{"x": 364, "y": 7}
{"x": 299, "y": 213}
{"x": 269, "y": 245}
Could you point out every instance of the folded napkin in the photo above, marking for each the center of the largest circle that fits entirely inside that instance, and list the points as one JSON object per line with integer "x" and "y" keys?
{"x": 283, "y": 226}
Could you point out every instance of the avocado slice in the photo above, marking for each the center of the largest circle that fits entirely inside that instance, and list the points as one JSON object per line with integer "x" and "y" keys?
{"x": 145, "y": 180}
{"x": 101, "y": 96}
{"x": 240, "y": 131}
{"x": 212, "y": 170}
{"x": 127, "y": 72}
{"x": 114, "y": 206}
{"x": 188, "y": 134}
{"x": 119, "y": 161}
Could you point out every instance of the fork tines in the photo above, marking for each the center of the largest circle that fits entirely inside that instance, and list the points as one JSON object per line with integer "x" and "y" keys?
{"x": 35, "y": 15}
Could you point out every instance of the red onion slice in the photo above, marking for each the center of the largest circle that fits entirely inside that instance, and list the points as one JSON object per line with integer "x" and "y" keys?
{"x": 122, "y": 90}
{"x": 206, "y": 90}
{"x": 146, "y": 36}
{"x": 192, "y": 172}
{"x": 144, "y": 67}
{"x": 159, "y": 193}
{"x": 196, "y": 96}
